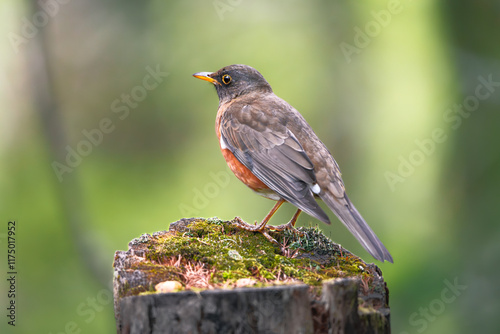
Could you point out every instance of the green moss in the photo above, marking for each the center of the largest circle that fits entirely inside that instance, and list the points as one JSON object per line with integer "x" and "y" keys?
{"x": 226, "y": 253}
{"x": 138, "y": 290}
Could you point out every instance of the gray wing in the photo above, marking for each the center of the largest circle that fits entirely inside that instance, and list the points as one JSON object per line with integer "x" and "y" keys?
{"x": 273, "y": 154}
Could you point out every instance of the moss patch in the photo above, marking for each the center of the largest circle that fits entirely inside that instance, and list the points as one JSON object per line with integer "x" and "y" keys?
{"x": 211, "y": 253}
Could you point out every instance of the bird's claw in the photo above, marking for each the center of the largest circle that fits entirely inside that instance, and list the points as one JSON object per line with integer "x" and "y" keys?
{"x": 264, "y": 229}
{"x": 248, "y": 227}
{"x": 288, "y": 226}
{"x": 261, "y": 228}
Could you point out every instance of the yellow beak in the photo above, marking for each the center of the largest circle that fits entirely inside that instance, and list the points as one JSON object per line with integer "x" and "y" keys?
{"x": 206, "y": 76}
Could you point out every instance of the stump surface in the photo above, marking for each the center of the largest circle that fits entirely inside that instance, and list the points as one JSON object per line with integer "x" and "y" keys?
{"x": 308, "y": 285}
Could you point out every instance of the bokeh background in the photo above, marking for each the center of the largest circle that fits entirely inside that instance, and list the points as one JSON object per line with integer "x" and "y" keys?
{"x": 406, "y": 95}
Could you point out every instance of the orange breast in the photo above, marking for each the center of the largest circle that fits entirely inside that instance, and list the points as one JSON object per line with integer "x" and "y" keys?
{"x": 243, "y": 173}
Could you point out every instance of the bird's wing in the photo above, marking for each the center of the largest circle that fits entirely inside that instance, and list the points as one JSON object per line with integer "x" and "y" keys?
{"x": 263, "y": 144}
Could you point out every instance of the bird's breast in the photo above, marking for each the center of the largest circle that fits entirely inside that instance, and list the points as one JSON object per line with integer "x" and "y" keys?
{"x": 239, "y": 170}
{"x": 243, "y": 173}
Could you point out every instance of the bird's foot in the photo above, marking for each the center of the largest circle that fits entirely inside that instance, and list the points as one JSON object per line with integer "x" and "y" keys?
{"x": 248, "y": 227}
{"x": 261, "y": 228}
{"x": 288, "y": 226}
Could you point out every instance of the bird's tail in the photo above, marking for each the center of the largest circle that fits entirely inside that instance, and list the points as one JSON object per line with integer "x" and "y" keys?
{"x": 350, "y": 217}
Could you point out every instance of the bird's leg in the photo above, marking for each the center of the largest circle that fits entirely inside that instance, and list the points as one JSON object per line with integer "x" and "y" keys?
{"x": 262, "y": 226}
{"x": 258, "y": 228}
{"x": 288, "y": 226}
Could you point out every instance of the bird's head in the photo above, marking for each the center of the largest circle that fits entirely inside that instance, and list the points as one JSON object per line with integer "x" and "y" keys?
{"x": 235, "y": 80}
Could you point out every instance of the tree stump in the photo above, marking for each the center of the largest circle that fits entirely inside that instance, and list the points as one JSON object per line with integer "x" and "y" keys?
{"x": 220, "y": 279}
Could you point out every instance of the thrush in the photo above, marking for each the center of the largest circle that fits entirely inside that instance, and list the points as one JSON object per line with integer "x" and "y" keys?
{"x": 271, "y": 148}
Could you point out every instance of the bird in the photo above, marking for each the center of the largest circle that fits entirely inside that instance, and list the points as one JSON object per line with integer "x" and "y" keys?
{"x": 271, "y": 148}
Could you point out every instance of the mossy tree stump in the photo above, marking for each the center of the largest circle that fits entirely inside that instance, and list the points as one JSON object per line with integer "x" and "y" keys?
{"x": 220, "y": 279}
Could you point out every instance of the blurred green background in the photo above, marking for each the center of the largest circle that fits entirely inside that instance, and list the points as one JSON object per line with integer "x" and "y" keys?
{"x": 406, "y": 95}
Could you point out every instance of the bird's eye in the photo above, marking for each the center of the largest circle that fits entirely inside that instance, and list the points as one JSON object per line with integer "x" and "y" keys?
{"x": 226, "y": 79}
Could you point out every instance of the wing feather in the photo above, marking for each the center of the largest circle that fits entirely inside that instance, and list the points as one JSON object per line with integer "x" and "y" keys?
{"x": 274, "y": 155}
